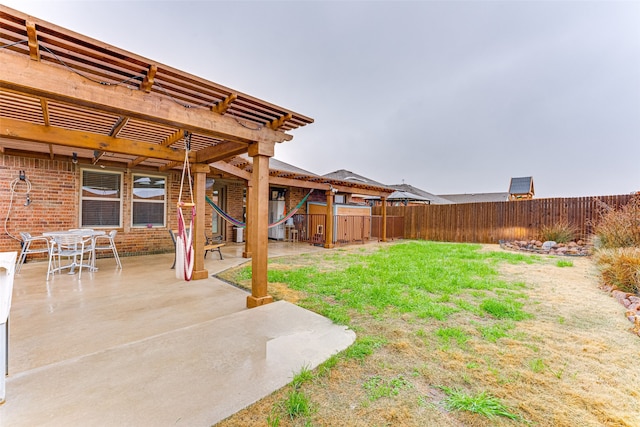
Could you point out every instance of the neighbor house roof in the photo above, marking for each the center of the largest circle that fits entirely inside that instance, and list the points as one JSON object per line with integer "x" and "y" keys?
{"x": 406, "y": 196}
{"x": 345, "y": 175}
{"x": 476, "y": 197}
{"x": 285, "y": 174}
{"x": 432, "y": 198}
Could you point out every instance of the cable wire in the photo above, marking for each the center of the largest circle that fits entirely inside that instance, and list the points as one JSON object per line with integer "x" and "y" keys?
{"x": 12, "y": 187}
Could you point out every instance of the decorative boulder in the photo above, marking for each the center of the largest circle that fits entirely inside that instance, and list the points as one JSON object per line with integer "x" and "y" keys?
{"x": 548, "y": 245}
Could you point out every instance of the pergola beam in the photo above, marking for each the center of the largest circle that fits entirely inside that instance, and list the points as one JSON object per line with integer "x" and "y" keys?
{"x": 57, "y": 83}
{"x": 175, "y": 137}
{"x": 222, "y": 106}
{"x": 148, "y": 81}
{"x": 220, "y": 151}
{"x": 17, "y": 129}
{"x": 231, "y": 170}
{"x": 277, "y": 123}
{"x": 34, "y": 48}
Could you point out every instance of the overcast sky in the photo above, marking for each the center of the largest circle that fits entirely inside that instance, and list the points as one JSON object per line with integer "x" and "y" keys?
{"x": 448, "y": 96}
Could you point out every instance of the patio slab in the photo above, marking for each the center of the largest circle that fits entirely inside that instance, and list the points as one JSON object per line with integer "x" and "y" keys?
{"x": 139, "y": 347}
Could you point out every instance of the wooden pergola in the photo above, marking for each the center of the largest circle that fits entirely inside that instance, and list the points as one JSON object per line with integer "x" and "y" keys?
{"x": 64, "y": 95}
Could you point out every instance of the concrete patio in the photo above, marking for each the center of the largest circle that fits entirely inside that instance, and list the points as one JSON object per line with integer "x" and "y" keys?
{"x": 138, "y": 347}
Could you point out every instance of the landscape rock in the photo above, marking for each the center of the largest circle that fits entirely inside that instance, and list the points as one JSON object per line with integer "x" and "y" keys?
{"x": 633, "y": 306}
{"x": 631, "y": 302}
{"x": 548, "y": 247}
{"x": 548, "y": 244}
{"x": 621, "y": 297}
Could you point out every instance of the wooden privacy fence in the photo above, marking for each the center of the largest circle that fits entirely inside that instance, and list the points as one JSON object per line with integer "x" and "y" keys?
{"x": 494, "y": 221}
{"x": 395, "y": 227}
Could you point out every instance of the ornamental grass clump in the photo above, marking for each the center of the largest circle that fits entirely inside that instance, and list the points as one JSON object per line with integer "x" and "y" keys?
{"x": 619, "y": 228}
{"x": 618, "y": 245}
{"x": 620, "y": 267}
{"x": 559, "y": 232}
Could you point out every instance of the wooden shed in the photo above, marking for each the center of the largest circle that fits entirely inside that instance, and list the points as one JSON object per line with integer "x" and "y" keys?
{"x": 521, "y": 188}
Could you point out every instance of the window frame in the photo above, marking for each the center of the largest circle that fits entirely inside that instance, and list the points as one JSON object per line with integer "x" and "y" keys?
{"x": 82, "y": 198}
{"x": 165, "y": 178}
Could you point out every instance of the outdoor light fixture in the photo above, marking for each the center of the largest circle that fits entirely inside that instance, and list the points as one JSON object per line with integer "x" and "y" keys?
{"x": 74, "y": 159}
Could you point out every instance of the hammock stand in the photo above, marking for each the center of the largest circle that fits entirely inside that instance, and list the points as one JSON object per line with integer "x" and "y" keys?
{"x": 241, "y": 224}
{"x": 184, "y": 238}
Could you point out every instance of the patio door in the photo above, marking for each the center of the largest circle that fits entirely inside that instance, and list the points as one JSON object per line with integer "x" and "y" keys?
{"x": 217, "y": 223}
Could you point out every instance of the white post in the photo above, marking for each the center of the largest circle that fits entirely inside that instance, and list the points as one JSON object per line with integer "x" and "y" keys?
{"x": 7, "y": 266}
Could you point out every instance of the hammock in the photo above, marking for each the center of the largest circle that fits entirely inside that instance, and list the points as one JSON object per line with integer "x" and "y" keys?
{"x": 184, "y": 238}
{"x": 241, "y": 224}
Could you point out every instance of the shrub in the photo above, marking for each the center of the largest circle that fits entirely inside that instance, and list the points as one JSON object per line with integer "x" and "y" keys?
{"x": 619, "y": 228}
{"x": 560, "y": 232}
{"x": 620, "y": 267}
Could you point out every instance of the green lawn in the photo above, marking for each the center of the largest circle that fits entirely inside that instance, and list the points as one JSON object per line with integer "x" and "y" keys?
{"x": 450, "y": 294}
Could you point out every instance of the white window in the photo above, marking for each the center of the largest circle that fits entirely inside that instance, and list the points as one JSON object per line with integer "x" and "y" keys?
{"x": 148, "y": 201}
{"x": 101, "y": 199}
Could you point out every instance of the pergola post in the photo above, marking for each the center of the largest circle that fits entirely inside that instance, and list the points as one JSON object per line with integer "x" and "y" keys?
{"x": 328, "y": 233}
{"x": 384, "y": 219}
{"x": 247, "y": 233}
{"x": 258, "y": 205}
{"x": 199, "y": 188}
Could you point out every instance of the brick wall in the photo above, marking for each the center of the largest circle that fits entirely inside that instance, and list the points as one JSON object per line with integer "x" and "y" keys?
{"x": 293, "y": 197}
{"x": 53, "y": 194}
{"x": 55, "y": 205}
{"x": 234, "y": 206}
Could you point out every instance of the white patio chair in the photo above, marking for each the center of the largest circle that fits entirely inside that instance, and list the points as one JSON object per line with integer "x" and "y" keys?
{"x": 73, "y": 247}
{"x": 110, "y": 244}
{"x": 32, "y": 245}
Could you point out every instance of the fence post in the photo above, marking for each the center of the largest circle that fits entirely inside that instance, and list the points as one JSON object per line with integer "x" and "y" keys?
{"x": 383, "y": 237}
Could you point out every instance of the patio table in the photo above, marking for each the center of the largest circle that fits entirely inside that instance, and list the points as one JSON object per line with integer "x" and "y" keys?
{"x": 85, "y": 233}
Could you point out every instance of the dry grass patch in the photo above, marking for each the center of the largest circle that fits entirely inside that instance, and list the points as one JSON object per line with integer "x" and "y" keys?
{"x": 620, "y": 267}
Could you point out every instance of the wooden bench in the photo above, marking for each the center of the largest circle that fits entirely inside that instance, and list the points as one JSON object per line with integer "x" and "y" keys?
{"x": 211, "y": 245}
